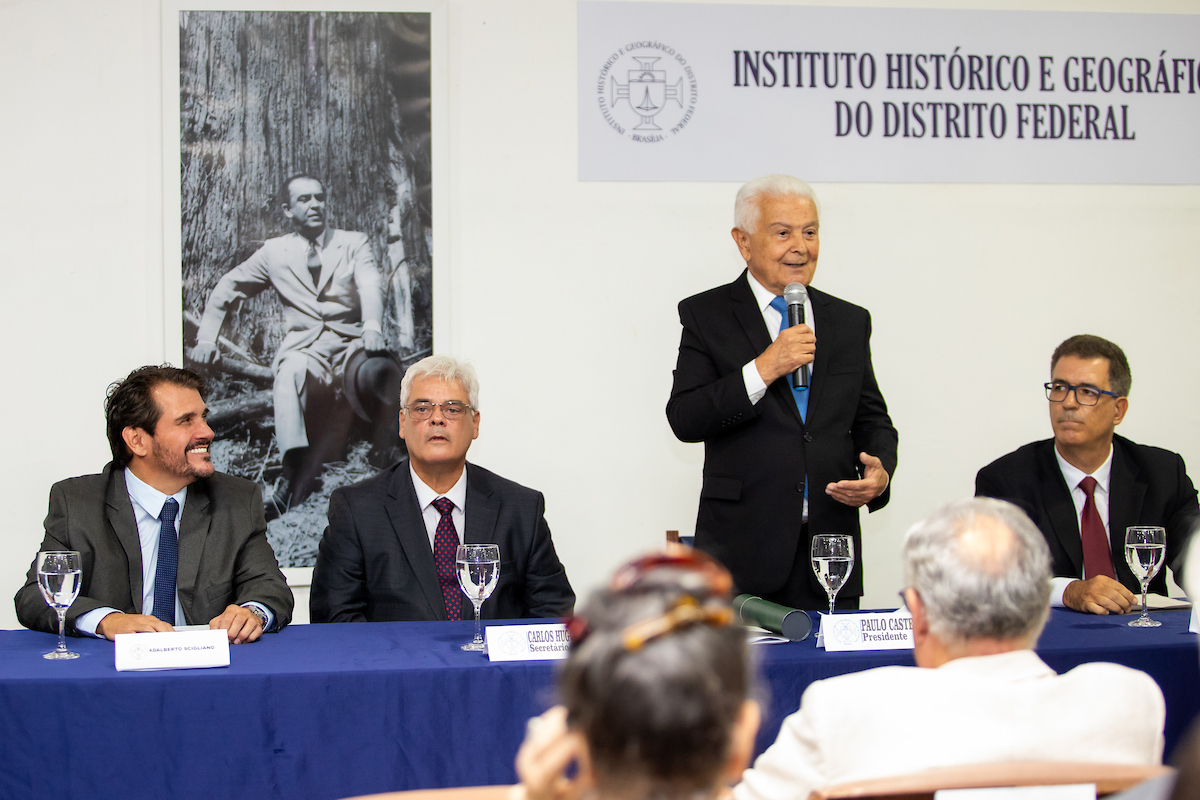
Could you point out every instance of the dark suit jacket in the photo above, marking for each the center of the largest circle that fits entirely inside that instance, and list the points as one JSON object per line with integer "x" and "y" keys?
{"x": 224, "y": 556}
{"x": 756, "y": 456}
{"x": 375, "y": 563}
{"x": 1148, "y": 486}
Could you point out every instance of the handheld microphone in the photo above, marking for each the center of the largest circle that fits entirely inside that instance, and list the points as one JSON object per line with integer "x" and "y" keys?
{"x": 794, "y": 295}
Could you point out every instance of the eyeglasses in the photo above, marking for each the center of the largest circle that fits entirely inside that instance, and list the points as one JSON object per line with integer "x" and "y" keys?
{"x": 1057, "y": 391}
{"x": 452, "y": 410}
{"x": 687, "y": 610}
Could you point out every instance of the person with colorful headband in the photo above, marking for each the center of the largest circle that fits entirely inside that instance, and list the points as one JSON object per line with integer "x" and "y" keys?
{"x": 656, "y": 691}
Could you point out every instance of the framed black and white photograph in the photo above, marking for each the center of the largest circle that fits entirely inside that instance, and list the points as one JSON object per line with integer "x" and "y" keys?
{"x": 300, "y": 153}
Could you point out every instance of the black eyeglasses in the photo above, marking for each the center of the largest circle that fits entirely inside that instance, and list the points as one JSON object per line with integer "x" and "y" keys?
{"x": 452, "y": 410}
{"x": 1057, "y": 391}
{"x": 904, "y": 598}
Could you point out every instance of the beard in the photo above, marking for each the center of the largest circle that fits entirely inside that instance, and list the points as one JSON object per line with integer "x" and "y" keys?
{"x": 178, "y": 463}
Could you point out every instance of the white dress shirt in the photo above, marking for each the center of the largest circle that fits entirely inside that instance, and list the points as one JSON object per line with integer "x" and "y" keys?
{"x": 755, "y": 387}
{"x": 431, "y": 516}
{"x": 1073, "y": 475}
{"x": 148, "y": 503}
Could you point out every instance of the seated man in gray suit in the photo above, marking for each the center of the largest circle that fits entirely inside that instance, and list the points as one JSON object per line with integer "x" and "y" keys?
{"x": 978, "y": 585}
{"x": 388, "y": 553}
{"x": 164, "y": 538}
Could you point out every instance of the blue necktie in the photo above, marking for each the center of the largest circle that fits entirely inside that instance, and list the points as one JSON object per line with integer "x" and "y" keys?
{"x": 168, "y": 563}
{"x": 800, "y": 395}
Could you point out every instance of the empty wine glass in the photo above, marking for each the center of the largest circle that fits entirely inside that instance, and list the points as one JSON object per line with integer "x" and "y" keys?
{"x": 832, "y": 560}
{"x": 1145, "y": 549}
{"x": 59, "y": 575}
{"x": 478, "y": 571}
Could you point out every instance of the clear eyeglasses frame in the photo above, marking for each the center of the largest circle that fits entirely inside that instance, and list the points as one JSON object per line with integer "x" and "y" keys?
{"x": 452, "y": 410}
{"x": 1057, "y": 391}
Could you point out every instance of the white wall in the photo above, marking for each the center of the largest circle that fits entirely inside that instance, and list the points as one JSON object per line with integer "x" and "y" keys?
{"x": 563, "y": 293}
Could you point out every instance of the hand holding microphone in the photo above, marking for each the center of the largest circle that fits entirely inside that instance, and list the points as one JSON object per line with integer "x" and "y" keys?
{"x": 794, "y": 294}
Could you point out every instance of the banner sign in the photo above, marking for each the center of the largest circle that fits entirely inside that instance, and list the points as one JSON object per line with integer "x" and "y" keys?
{"x": 699, "y": 92}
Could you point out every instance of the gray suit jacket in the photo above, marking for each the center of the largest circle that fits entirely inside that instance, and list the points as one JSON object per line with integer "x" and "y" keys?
{"x": 224, "y": 556}
{"x": 375, "y": 563}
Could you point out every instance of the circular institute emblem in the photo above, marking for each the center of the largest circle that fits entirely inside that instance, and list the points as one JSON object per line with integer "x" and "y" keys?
{"x": 646, "y": 91}
{"x": 510, "y": 644}
{"x": 847, "y": 632}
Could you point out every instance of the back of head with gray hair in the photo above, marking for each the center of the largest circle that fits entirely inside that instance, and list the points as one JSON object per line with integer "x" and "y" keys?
{"x": 982, "y": 569}
{"x": 445, "y": 368}
{"x": 745, "y": 207}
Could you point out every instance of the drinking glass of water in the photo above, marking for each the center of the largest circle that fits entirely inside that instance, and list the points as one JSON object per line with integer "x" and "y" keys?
{"x": 59, "y": 575}
{"x": 478, "y": 571}
{"x": 832, "y": 560}
{"x": 1145, "y": 549}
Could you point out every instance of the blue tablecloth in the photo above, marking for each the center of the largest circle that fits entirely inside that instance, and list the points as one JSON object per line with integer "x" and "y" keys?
{"x": 328, "y": 711}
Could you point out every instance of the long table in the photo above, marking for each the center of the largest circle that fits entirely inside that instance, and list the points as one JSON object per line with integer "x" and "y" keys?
{"x": 330, "y": 711}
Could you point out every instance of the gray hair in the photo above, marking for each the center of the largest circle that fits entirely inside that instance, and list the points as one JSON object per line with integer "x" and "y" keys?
{"x": 1087, "y": 346}
{"x": 745, "y": 207}
{"x": 445, "y": 368}
{"x": 978, "y": 579}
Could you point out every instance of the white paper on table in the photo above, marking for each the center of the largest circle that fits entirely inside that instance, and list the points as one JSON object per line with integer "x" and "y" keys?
{"x": 757, "y": 635}
{"x": 1070, "y": 791}
{"x": 1158, "y": 602}
{"x": 1195, "y": 627}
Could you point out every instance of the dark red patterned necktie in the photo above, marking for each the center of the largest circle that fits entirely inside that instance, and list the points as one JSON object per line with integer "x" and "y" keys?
{"x": 1097, "y": 558}
{"x": 445, "y": 551}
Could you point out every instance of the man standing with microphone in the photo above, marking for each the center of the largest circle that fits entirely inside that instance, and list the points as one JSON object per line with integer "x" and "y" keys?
{"x": 781, "y": 464}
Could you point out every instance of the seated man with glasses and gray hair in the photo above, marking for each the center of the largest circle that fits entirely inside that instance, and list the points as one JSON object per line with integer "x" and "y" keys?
{"x": 978, "y": 586}
{"x": 1085, "y": 486}
{"x": 389, "y": 550}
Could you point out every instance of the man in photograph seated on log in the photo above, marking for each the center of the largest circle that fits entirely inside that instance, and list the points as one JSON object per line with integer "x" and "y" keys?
{"x": 977, "y": 577}
{"x": 331, "y": 291}
{"x": 165, "y": 539}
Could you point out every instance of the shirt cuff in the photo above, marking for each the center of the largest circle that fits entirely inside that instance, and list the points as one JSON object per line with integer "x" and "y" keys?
{"x": 270, "y": 615}
{"x": 87, "y": 623}
{"x": 755, "y": 388}
{"x": 372, "y": 325}
{"x": 1057, "y": 587}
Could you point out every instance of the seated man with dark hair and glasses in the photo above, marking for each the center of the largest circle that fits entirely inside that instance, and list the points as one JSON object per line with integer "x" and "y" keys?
{"x": 389, "y": 551}
{"x": 1085, "y": 486}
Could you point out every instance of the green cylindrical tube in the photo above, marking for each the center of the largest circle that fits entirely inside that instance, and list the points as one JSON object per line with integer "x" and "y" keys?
{"x": 790, "y": 622}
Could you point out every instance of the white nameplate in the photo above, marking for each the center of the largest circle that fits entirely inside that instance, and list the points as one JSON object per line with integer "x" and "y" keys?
{"x": 172, "y": 650}
{"x": 527, "y": 642}
{"x": 1195, "y": 628}
{"x": 888, "y": 631}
